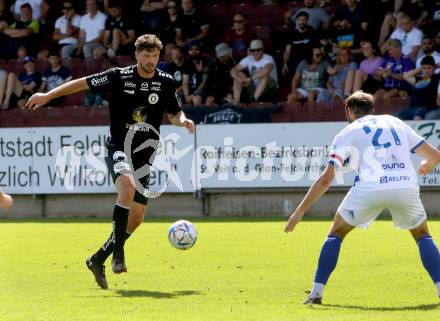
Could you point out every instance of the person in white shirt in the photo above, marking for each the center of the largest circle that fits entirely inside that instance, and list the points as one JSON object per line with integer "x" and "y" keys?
{"x": 91, "y": 31}
{"x": 257, "y": 74}
{"x": 66, "y": 29}
{"x": 409, "y": 36}
{"x": 379, "y": 149}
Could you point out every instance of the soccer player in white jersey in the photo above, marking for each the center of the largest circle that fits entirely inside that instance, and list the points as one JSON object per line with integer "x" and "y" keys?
{"x": 379, "y": 149}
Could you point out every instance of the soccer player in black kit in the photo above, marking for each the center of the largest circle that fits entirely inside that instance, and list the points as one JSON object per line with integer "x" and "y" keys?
{"x": 140, "y": 95}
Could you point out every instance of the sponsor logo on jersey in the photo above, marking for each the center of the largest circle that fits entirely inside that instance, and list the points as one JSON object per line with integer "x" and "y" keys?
{"x": 119, "y": 156}
{"x": 131, "y": 92}
{"x": 155, "y": 83}
{"x": 153, "y": 99}
{"x": 139, "y": 115}
{"x": 393, "y": 166}
{"x": 155, "y": 88}
{"x": 127, "y": 77}
{"x": 99, "y": 80}
{"x": 126, "y": 71}
{"x": 389, "y": 179}
{"x": 129, "y": 84}
{"x": 137, "y": 128}
{"x": 144, "y": 86}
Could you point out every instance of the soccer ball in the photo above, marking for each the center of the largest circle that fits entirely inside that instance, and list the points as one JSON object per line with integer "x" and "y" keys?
{"x": 182, "y": 235}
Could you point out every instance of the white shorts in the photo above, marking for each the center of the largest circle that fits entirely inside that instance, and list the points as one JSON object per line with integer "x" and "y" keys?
{"x": 361, "y": 208}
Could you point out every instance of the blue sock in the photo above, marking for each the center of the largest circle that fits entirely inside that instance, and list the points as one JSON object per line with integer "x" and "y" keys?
{"x": 328, "y": 258}
{"x": 430, "y": 257}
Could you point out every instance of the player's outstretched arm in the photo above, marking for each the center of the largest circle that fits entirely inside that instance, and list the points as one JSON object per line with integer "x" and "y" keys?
{"x": 431, "y": 158}
{"x": 318, "y": 188}
{"x": 40, "y": 99}
{"x": 6, "y": 201}
{"x": 180, "y": 120}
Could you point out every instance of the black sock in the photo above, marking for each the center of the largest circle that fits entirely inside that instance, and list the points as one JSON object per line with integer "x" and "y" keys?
{"x": 104, "y": 251}
{"x": 117, "y": 237}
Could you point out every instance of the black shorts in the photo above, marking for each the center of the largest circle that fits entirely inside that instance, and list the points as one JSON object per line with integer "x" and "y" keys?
{"x": 118, "y": 164}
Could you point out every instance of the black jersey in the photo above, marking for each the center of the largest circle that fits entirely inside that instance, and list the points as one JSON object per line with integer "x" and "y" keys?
{"x": 134, "y": 99}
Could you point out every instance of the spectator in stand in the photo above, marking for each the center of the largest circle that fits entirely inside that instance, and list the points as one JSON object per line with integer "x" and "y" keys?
{"x": 310, "y": 78}
{"x": 428, "y": 50}
{"x": 55, "y": 76}
{"x": 366, "y": 77}
{"x": 318, "y": 17}
{"x": 410, "y": 8}
{"x": 432, "y": 18}
{"x": 409, "y": 36}
{"x": 391, "y": 72}
{"x": 91, "y": 31}
{"x": 195, "y": 76}
{"x": 425, "y": 96}
{"x": 300, "y": 42}
{"x": 219, "y": 87}
{"x": 67, "y": 29}
{"x": 256, "y": 74}
{"x": 339, "y": 84}
{"x": 119, "y": 35}
{"x": 40, "y": 8}
{"x": 193, "y": 26}
{"x": 6, "y": 19}
{"x": 349, "y": 24}
{"x": 176, "y": 69}
{"x": 21, "y": 88}
{"x": 171, "y": 23}
{"x": 153, "y": 15}
{"x": 239, "y": 36}
{"x": 21, "y": 33}
{"x": 353, "y": 13}
{"x": 375, "y": 13}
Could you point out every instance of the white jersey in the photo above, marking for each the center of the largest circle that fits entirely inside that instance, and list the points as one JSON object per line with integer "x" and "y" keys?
{"x": 379, "y": 148}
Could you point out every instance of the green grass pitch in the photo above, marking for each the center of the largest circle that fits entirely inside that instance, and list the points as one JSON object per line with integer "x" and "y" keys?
{"x": 240, "y": 269}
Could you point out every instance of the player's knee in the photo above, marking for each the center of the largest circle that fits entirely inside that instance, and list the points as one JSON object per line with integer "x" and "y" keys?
{"x": 125, "y": 188}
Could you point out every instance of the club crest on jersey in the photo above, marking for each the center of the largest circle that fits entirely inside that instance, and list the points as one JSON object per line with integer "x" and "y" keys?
{"x": 153, "y": 99}
{"x": 144, "y": 86}
{"x": 139, "y": 116}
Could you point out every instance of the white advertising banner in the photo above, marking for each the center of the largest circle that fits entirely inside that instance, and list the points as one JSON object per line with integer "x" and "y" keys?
{"x": 279, "y": 155}
{"x": 71, "y": 160}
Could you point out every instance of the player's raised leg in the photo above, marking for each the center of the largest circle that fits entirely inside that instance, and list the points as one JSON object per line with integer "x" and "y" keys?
{"x": 328, "y": 258}
{"x": 429, "y": 253}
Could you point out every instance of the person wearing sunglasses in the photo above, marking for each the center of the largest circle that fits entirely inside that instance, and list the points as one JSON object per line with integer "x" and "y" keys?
{"x": 239, "y": 36}
{"x": 255, "y": 76}
{"x": 66, "y": 29}
{"x": 311, "y": 78}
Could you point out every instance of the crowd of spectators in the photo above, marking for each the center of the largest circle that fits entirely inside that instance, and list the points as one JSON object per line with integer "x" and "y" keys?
{"x": 233, "y": 52}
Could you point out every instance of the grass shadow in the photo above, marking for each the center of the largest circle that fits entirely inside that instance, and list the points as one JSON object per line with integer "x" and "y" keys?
{"x": 156, "y": 294}
{"x": 421, "y": 307}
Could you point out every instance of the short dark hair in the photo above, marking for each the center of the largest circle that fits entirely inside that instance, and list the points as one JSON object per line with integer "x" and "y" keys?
{"x": 428, "y": 60}
{"x": 302, "y": 14}
{"x": 148, "y": 42}
{"x": 26, "y": 5}
{"x": 360, "y": 103}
